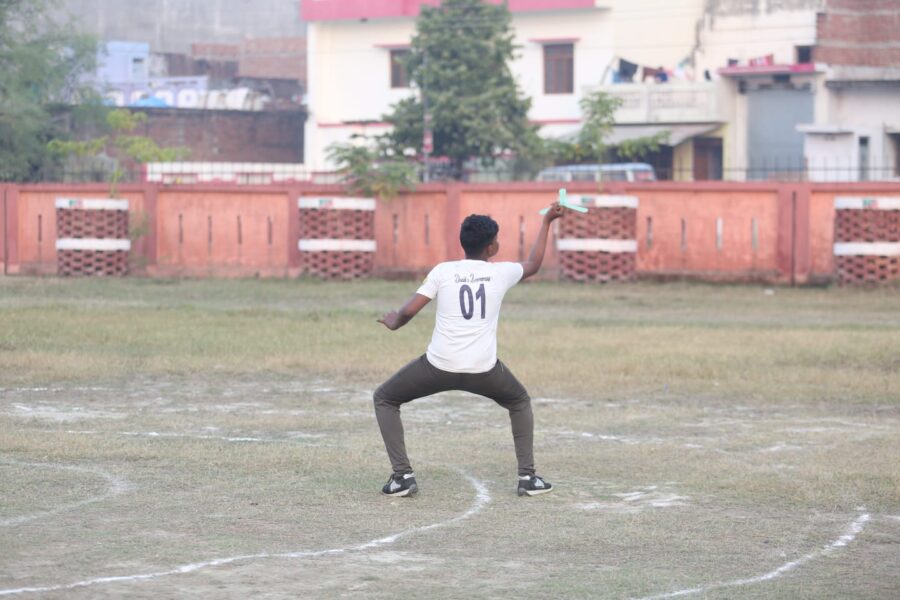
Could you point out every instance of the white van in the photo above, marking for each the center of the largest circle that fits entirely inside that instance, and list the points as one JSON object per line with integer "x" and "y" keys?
{"x": 610, "y": 172}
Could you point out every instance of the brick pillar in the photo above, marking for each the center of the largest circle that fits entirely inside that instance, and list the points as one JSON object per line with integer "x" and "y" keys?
{"x": 337, "y": 237}
{"x": 92, "y": 237}
{"x": 866, "y": 239}
{"x": 601, "y": 245}
{"x": 4, "y": 229}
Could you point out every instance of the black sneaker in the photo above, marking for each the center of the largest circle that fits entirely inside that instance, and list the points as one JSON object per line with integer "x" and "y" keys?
{"x": 532, "y": 485}
{"x": 401, "y": 485}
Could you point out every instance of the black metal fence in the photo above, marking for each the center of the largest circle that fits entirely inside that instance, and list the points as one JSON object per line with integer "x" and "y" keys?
{"x": 278, "y": 173}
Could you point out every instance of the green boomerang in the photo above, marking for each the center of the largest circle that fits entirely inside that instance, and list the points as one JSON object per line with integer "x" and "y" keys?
{"x": 564, "y": 202}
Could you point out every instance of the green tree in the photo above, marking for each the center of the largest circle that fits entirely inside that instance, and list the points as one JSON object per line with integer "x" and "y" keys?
{"x": 369, "y": 171}
{"x": 42, "y": 63}
{"x": 598, "y": 111}
{"x": 121, "y": 147}
{"x": 634, "y": 149}
{"x": 459, "y": 60}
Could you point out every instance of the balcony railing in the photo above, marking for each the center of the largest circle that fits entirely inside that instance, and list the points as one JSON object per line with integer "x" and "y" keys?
{"x": 675, "y": 102}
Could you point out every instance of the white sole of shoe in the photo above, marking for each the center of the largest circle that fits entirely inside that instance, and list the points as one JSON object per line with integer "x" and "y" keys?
{"x": 411, "y": 491}
{"x": 523, "y": 492}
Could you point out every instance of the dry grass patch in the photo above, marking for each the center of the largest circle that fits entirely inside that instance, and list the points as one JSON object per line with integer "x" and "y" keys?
{"x": 697, "y": 435}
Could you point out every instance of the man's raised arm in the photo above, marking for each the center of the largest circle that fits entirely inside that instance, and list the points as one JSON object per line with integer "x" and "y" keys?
{"x": 533, "y": 264}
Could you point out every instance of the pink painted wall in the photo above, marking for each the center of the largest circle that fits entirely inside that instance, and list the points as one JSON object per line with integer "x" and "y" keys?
{"x": 215, "y": 233}
{"x": 821, "y": 239}
{"x": 36, "y": 212}
{"x": 516, "y": 212}
{"x": 5, "y": 226}
{"x": 411, "y": 233}
{"x": 664, "y": 211}
{"x": 795, "y": 224}
{"x": 515, "y": 207}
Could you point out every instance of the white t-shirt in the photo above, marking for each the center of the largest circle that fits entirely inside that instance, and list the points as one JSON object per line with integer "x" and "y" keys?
{"x": 469, "y": 294}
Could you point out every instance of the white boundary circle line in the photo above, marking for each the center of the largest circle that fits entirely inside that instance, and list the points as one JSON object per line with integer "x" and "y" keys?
{"x": 298, "y": 439}
{"x": 482, "y": 498}
{"x": 854, "y": 529}
{"x": 116, "y": 487}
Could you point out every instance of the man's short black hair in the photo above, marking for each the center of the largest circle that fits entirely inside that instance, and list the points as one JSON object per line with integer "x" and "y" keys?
{"x": 476, "y": 233}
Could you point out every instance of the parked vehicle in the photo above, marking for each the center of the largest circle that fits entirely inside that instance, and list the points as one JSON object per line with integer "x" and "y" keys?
{"x": 595, "y": 172}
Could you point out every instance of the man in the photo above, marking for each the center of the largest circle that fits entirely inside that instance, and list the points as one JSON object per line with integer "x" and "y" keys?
{"x": 463, "y": 350}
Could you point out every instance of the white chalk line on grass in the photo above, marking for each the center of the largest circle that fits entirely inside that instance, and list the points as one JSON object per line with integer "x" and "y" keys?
{"x": 117, "y": 486}
{"x": 854, "y": 529}
{"x": 294, "y": 437}
{"x": 482, "y": 498}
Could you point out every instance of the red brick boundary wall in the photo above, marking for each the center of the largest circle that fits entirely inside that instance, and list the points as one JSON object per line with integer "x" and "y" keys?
{"x": 92, "y": 237}
{"x": 867, "y": 239}
{"x": 337, "y": 237}
{"x": 717, "y": 231}
{"x": 601, "y": 245}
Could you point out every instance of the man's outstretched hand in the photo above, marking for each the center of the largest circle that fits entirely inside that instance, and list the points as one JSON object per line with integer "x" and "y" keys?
{"x": 555, "y": 212}
{"x": 398, "y": 318}
{"x": 391, "y": 320}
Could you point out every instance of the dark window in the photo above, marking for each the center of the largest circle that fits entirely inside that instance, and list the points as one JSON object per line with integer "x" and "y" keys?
{"x": 782, "y": 78}
{"x": 584, "y": 176}
{"x": 804, "y": 55}
{"x": 662, "y": 162}
{"x": 614, "y": 176}
{"x": 895, "y": 142}
{"x": 137, "y": 68}
{"x": 863, "y": 158}
{"x": 399, "y": 76}
{"x": 559, "y": 69}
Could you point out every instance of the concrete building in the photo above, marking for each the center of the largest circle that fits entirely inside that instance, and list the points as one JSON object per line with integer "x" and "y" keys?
{"x": 855, "y": 135}
{"x": 123, "y": 77}
{"x": 567, "y": 48}
{"x": 171, "y": 26}
{"x": 815, "y": 90}
{"x": 753, "y": 89}
{"x": 232, "y": 43}
{"x": 762, "y": 51}
{"x": 856, "y": 132}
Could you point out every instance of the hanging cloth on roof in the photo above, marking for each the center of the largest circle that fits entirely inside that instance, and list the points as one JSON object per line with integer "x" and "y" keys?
{"x": 627, "y": 70}
{"x": 763, "y": 61}
{"x": 655, "y": 74}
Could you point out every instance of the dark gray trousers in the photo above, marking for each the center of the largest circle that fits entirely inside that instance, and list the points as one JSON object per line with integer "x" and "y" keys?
{"x": 420, "y": 378}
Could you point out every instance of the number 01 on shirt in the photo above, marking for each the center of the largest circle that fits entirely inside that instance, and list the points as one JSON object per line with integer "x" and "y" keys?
{"x": 469, "y": 294}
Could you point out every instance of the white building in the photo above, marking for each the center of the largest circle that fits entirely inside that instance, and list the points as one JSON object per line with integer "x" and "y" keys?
{"x": 566, "y": 48}
{"x": 743, "y": 98}
{"x": 856, "y": 132}
{"x": 804, "y": 103}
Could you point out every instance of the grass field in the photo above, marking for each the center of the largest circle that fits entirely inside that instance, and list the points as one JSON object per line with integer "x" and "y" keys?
{"x": 216, "y": 439}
